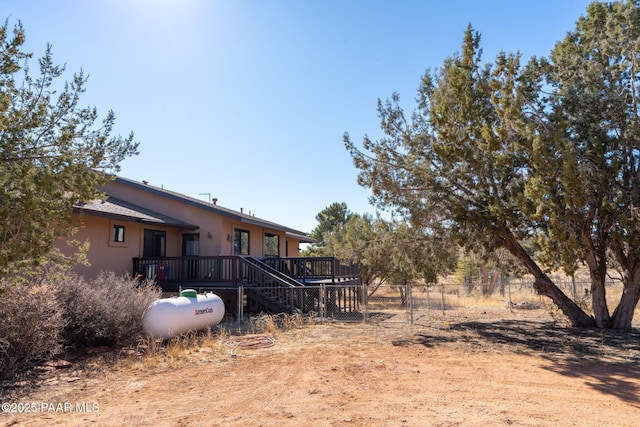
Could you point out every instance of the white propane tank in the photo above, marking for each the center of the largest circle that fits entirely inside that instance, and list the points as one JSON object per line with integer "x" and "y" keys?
{"x": 168, "y": 317}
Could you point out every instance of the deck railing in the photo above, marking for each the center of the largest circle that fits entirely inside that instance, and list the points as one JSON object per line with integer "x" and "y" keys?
{"x": 321, "y": 285}
{"x": 314, "y": 269}
{"x": 270, "y": 286}
{"x": 188, "y": 269}
{"x": 306, "y": 270}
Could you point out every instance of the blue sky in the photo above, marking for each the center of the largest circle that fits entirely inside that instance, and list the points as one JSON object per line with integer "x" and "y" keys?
{"x": 248, "y": 99}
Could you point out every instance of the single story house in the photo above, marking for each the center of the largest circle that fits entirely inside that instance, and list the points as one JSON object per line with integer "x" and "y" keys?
{"x": 180, "y": 241}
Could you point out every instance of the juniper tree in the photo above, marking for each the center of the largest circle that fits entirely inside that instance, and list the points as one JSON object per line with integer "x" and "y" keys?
{"x": 593, "y": 78}
{"x": 328, "y": 219}
{"x": 500, "y": 154}
{"x": 53, "y": 153}
{"x": 391, "y": 252}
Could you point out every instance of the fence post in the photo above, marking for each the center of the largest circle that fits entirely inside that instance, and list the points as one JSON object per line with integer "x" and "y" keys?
{"x": 365, "y": 301}
{"x": 323, "y": 302}
{"x": 410, "y": 302}
{"x": 240, "y": 302}
{"x": 292, "y": 299}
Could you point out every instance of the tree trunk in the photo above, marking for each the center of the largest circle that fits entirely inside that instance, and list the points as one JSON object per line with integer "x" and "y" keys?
{"x": 623, "y": 314}
{"x": 599, "y": 304}
{"x": 598, "y": 273}
{"x": 545, "y": 286}
{"x": 403, "y": 295}
{"x": 484, "y": 279}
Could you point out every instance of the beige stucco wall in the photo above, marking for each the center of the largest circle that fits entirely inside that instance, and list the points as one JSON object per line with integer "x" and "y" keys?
{"x": 106, "y": 255}
{"x": 216, "y": 231}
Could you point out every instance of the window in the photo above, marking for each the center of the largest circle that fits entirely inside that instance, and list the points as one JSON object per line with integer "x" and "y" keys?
{"x": 240, "y": 242}
{"x": 191, "y": 248}
{"x": 191, "y": 244}
{"x": 271, "y": 245}
{"x": 155, "y": 243}
{"x": 118, "y": 234}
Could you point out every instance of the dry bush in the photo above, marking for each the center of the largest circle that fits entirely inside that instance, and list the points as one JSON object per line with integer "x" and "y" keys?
{"x": 272, "y": 323}
{"x": 105, "y": 311}
{"x": 294, "y": 321}
{"x": 32, "y": 320}
{"x": 262, "y": 324}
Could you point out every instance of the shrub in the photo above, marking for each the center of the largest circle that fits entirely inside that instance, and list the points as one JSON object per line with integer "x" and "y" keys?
{"x": 105, "y": 311}
{"x": 272, "y": 323}
{"x": 31, "y": 324}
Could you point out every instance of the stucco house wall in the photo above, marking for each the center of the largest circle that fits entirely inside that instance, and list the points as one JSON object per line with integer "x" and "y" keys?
{"x": 216, "y": 228}
{"x": 138, "y": 207}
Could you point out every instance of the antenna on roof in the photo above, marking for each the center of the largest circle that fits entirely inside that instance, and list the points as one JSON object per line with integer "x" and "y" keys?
{"x": 206, "y": 194}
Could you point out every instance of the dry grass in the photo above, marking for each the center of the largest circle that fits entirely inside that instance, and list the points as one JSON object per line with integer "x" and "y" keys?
{"x": 481, "y": 369}
{"x": 453, "y": 296}
{"x": 214, "y": 343}
{"x": 274, "y": 323}
{"x": 152, "y": 353}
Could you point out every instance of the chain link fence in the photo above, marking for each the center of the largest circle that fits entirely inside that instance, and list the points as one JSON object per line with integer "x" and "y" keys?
{"x": 323, "y": 302}
{"x": 424, "y": 304}
{"x": 408, "y": 304}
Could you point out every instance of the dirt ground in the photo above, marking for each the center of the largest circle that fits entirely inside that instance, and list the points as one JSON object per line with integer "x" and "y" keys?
{"x": 490, "y": 368}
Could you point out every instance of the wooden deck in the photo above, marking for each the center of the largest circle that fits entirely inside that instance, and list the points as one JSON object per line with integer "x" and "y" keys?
{"x": 261, "y": 284}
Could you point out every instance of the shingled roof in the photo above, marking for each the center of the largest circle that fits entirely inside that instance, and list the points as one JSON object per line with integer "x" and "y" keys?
{"x": 238, "y": 216}
{"x": 119, "y": 209}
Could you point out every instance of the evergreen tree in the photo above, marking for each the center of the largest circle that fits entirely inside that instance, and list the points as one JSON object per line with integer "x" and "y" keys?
{"x": 328, "y": 219}
{"x": 52, "y": 154}
{"x": 587, "y": 159}
{"x": 499, "y": 154}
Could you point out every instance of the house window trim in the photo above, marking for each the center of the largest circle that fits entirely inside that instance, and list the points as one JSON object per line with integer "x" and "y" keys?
{"x": 113, "y": 243}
